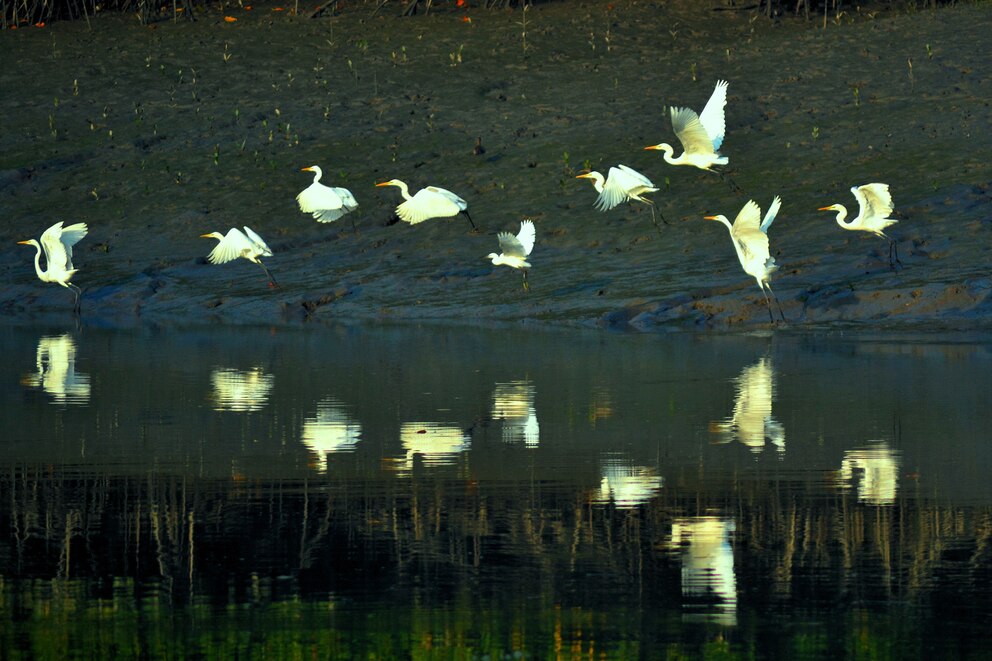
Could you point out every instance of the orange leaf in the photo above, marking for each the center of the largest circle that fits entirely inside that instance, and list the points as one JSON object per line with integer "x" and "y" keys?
{"x": 466, "y": 19}
{"x": 277, "y": 9}
{"x": 247, "y": 7}
{"x": 230, "y": 19}
{"x": 40, "y": 24}
{"x": 459, "y": 3}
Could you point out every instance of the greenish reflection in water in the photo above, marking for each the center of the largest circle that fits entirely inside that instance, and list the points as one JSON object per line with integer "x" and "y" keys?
{"x": 405, "y": 492}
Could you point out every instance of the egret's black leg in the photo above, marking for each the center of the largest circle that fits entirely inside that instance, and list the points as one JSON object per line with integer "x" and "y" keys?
{"x": 272, "y": 281}
{"x": 526, "y": 284}
{"x": 780, "y": 313}
{"x": 471, "y": 222}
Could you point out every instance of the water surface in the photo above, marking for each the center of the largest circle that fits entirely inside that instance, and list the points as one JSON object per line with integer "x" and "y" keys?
{"x": 404, "y": 491}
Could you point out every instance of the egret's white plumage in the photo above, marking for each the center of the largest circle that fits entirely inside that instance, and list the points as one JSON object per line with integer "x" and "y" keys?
{"x": 701, "y": 135}
{"x": 57, "y": 241}
{"x": 874, "y": 207}
{"x": 751, "y": 244}
{"x": 621, "y": 184}
{"x": 325, "y": 203}
{"x": 235, "y": 244}
{"x": 427, "y": 203}
{"x": 516, "y": 249}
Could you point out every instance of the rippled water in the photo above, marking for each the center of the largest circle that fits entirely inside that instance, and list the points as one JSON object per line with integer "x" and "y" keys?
{"x": 388, "y": 492}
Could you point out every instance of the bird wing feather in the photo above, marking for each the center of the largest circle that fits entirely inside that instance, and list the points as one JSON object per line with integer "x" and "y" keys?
{"x": 232, "y": 246}
{"x": 712, "y": 117}
{"x": 690, "y": 132}
{"x": 632, "y": 176}
{"x": 262, "y": 247}
{"x": 874, "y": 200}
{"x": 614, "y": 190}
{"x": 459, "y": 202}
{"x": 317, "y": 198}
{"x": 56, "y": 254}
{"x": 526, "y": 236}
{"x": 770, "y": 214}
{"x": 347, "y": 199}
{"x": 510, "y": 246}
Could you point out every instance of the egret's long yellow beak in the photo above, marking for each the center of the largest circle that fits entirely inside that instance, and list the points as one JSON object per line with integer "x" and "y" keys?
{"x": 651, "y": 148}
{"x": 825, "y": 209}
{"x": 587, "y": 175}
{"x": 206, "y": 236}
{"x": 306, "y": 169}
{"x": 709, "y": 217}
{"x": 385, "y": 183}
{"x": 23, "y": 243}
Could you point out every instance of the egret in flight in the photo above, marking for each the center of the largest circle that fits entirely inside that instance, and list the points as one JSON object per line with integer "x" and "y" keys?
{"x": 430, "y": 202}
{"x": 236, "y": 244}
{"x": 327, "y": 204}
{"x": 58, "y": 242}
{"x": 621, "y": 184}
{"x": 516, "y": 249}
{"x": 751, "y": 242}
{"x": 875, "y": 205}
{"x": 701, "y": 135}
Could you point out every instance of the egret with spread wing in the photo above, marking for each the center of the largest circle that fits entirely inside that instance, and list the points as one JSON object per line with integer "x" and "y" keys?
{"x": 326, "y": 203}
{"x": 516, "y": 249}
{"x": 875, "y": 205}
{"x": 427, "y": 203}
{"x": 58, "y": 242}
{"x": 701, "y": 135}
{"x": 621, "y": 184}
{"x": 236, "y": 244}
{"x": 751, "y": 244}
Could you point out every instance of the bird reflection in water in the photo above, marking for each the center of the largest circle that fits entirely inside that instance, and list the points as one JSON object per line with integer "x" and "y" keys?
{"x": 752, "y": 422}
{"x": 435, "y": 443}
{"x": 709, "y": 586}
{"x": 330, "y": 431}
{"x": 875, "y": 468}
{"x": 513, "y": 405}
{"x": 625, "y": 485}
{"x": 55, "y": 361}
{"x": 240, "y": 390}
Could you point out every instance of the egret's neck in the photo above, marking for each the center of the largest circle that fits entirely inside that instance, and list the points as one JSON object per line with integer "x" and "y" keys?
{"x": 668, "y": 152}
{"x": 841, "y": 215}
{"x": 726, "y": 223}
{"x": 37, "y": 261}
{"x": 404, "y": 189}
{"x": 597, "y": 181}
{"x": 317, "y": 174}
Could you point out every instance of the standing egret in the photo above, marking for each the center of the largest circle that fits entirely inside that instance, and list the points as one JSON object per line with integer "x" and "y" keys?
{"x": 429, "y": 202}
{"x": 622, "y": 184}
{"x": 58, "y": 242}
{"x": 327, "y": 204}
{"x": 701, "y": 135}
{"x": 516, "y": 249}
{"x": 236, "y": 244}
{"x": 875, "y": 205}
{"x": 751, "y": 244}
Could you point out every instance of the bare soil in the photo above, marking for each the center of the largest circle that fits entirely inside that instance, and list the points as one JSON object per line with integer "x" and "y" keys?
{"x": 156, "y": 134}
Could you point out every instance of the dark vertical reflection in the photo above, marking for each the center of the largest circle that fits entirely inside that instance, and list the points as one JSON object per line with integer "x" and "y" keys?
{"x": 396, "y": 496}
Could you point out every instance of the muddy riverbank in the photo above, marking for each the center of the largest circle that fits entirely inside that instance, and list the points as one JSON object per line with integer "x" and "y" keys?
{"x": 156, "y": 134}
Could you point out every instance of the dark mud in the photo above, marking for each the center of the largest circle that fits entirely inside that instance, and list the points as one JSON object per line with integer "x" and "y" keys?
{"x": 156, "y": 134}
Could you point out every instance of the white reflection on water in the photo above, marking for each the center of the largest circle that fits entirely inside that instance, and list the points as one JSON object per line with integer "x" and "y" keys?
{"x": 625, "y": 485}
{"x": 513, "y": 404}
{"x": 876, "y": 470}
{"x": 240, "y": 390}
{"x": 707, "y": 555}
{"x": 752, "y": 422}
{"x": 55, "y": 361}
{"x": 331, "y": 430}
{"x": 436, "y": 443}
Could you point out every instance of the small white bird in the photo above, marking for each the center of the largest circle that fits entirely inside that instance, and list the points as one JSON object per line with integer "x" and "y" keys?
{"x": 621, "y": 184}
{"x": 701, "y": 135}
{"x": 875, "y": 205}
{"x": 751, "y": 244}
{"x": 58, "y": 242}
{"x": 516, "y": 249}
{"x": 236, "y": 244}
{"x": 327, "y": 204}
{"x": 429, "y": 202}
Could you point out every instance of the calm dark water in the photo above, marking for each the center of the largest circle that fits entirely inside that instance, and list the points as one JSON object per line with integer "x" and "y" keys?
{"x": 396, "y": 492}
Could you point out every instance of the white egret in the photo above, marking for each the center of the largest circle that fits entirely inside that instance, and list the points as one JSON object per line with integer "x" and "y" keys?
{"x": 751, "y": 244}
{"x": 325, "y": 203}
{"x": 701, "y": 135}
{"x": 58, "y": 242}
{"x": 236, "y": 244}
{"x": 240, "y": 390}
{"x": 621, "y": 184}
{"x": 875, "y": 205}
{"x": 516, "y": 249}
{"x": 752, "y": 422}
{"x": 427, "y": 203}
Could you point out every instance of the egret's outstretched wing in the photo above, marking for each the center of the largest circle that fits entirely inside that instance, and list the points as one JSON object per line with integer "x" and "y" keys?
{"x": 348, "y": 200}
{"x": 770, "y": 214}
{"x": 232, "y": 246}
{"x": 712, "y": 117}
{"x": 459, "y": 202}
{"x": 262, "y": 247}
{"x": 690, "y": 132}
{"x": 510, "y": 246}
{"x": 749, "y": 218}
{"x": 874, "y": 200}
{"x": 58, "y": 243}
{"x": 325, "y": 203}
{"x": 614, "y": 190}
{"x": 526, "y": 236}
{"x": 631, "y": 178}
{"x": 753, "y": 243}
